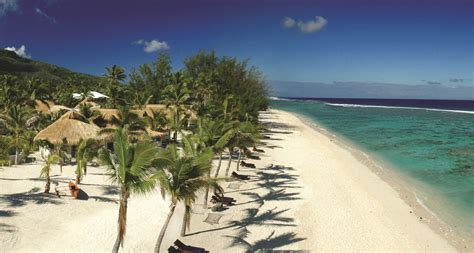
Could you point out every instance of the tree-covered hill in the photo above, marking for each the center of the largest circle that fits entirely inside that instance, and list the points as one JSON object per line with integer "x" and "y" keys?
{"x": 14, "y": 65}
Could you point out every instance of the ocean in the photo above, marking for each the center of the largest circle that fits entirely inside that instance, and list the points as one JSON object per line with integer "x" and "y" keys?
{"x": 430, "y": 142}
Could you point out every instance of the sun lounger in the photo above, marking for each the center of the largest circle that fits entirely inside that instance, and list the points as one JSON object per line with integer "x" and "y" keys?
{"x": 240, "y": 177}
{"x": 185, "y": 247}
{"x": 172, "y": 249}
{"x": 258, "y": 150}
{"x": 248, "y": 165}
{"x": 217, "y": 207}
{"x": 254, "y": 157}
{"x": 224, "y": 200}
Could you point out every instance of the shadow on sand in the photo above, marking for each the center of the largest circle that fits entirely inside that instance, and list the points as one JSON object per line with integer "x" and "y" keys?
{"x": 32, "y": 196}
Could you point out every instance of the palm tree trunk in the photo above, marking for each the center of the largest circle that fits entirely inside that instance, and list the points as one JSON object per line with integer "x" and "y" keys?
{"x": 48, "y": 184}
{"x": 238, "y": 160}
{"x": 187, "y": 211}
{"x": 218, "y": 165}
{"x": 228, "y": 165}
{"x": 17, "y": 154}
{"x": 122, "y": 221}
{"x": 206, "y": 193}
{"x": 163, "y": 229}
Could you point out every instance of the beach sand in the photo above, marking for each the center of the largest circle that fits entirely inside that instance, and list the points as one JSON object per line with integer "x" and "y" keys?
{"x": 317, "y": 196}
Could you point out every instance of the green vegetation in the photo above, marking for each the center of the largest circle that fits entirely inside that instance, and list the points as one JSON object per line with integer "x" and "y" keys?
{"x": 209, "y": 106}
{"x": 129, "y": 167}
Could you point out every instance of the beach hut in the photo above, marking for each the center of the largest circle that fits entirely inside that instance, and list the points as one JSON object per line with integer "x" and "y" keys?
{"x": 68, "y": 131}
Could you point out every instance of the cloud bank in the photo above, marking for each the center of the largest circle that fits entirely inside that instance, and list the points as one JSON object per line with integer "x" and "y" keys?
{"x": 21, "y": 51}
{"x": 8, "y": 6}
{"x": 152, "y": 45}
{"x": 41, "y": 13}
{"x": 306, "y": 27}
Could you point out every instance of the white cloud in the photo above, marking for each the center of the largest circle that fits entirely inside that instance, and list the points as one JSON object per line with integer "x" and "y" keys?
{"x": 289, "y": 22}
{"x": 312, "y": 25}
{"x": 8, "y": 6}
{"x": 44, "y": 15}
{"x": 309, "y": 26}
{"x": 21, "y": 51}
{"x": 152, "y": 45}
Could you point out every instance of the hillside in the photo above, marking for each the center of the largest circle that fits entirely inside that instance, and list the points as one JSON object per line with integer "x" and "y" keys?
{"x": 12, "y": 64}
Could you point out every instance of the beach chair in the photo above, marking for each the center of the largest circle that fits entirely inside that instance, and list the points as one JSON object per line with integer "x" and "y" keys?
{"x": 240, "y": 177}
{"x": 188, "y": 248}
{"x": 226, "y": 201}
{"x": 248, "y": 165}
{"x": 254, "y": 157}
{"x": 173, "y": 249}
{"x": 258, "y": 150}
{"x": 220, "y": 198}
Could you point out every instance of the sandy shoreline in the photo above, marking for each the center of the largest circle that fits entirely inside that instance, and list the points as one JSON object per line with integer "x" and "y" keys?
{"x": 459, "y": 239}
{"x": 320, "y": 197}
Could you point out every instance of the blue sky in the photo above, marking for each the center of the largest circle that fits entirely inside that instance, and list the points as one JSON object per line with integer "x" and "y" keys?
{"x": 389, "y": 41}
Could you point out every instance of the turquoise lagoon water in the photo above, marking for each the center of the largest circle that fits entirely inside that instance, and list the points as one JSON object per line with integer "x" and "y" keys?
{"x": 435, "y": 148}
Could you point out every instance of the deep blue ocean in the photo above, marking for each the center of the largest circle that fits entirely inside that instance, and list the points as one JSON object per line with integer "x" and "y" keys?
{"x": 429, "y": 141}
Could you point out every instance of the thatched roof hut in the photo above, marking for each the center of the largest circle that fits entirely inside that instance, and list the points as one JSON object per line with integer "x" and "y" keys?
{"x": 43, "y": 105}
{"x": 69, "y": 131}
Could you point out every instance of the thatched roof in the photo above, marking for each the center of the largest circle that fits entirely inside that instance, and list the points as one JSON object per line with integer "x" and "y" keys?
{"x": 73, "y": 114}
{"x": 155, "y": 134}
{"x": 69, "y": 130}
{"x": 107, "y": 114}
{"x": 48, "y": 107}
{"x": 57, "y": 108}
{"x": 43, "y": 106}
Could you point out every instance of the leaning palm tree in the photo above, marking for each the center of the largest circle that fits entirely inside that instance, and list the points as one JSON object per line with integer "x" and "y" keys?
{"x": 209, "y": 132}
{"x": 240, "y": 135}
{"x": 86, "y": 151}
{"x": 46, "y": 170}
{"x": 247, "y": 136}
{"x": 128, "y": 166}
{"x": 181, "y": 175}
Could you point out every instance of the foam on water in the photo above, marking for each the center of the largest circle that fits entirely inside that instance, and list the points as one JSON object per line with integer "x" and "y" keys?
{"x": 399, "y": 107}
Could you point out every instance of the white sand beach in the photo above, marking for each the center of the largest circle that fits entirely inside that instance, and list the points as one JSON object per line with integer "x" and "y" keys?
{"x": 316, "y": 197}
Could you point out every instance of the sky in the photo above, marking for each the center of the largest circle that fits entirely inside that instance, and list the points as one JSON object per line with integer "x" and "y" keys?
{"x": 379, "y": 41}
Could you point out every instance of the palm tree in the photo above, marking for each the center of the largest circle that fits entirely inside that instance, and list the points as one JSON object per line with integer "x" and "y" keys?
{"x": 126, "y": 119}
{"x": 128, "y": 166}
{"x": 240, "y": 135}
{"x": 60, "y": 150}
{"x": 176, "y": 123}
{"x": 182, "y": 175}
{"x": 209, "y": 132}
{"x": 115, "y": 74}
{"x": 176, "y": 95}
{"x": 88, "y": 113}
{"x": 246, "y": 137}
{"x": 16, "y": 120}
{"x": 46, "y": 170}
{"x": 86, "y": 151}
